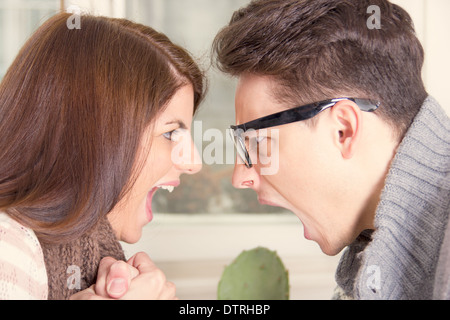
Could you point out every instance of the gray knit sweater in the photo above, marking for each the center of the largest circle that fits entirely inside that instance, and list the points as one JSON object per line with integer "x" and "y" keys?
{"x": 406, "y": 257}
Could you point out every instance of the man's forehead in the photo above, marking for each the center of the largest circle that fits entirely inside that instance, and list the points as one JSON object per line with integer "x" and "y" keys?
{"x": 254, "y": 98}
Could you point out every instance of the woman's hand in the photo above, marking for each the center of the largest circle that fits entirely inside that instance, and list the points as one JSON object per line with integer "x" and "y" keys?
{"x": 150, "y": 282}
{"x": 114, "y": 278}
{"x": 137, "y": 279}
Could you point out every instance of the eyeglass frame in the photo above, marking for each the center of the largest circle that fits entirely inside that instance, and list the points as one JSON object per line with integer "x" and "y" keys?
{"x": 296, "y": 114}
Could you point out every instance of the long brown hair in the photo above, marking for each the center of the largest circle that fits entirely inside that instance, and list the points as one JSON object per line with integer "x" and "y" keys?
{"x": 73, "y": 107}
{"x": 317, "y": 49}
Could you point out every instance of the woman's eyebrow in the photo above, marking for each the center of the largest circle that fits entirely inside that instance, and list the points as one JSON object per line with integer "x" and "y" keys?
{"x": 180, "y": 123}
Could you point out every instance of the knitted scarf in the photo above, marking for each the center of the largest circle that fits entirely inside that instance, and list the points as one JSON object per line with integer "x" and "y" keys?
{"x": 72, "y": 267}
{"x": 399, "y": 259}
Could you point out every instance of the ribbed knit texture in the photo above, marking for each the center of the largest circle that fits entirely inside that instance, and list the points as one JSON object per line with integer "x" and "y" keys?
{"x": 83, "y": 254}
{"x": 399, "y": 259}
{"x": 442, "y": 280}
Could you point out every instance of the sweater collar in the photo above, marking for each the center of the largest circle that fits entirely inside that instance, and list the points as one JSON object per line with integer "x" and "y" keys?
{"x": 398, "y": 260}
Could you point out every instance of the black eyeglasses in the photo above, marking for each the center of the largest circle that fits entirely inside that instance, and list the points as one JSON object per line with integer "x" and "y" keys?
{"x": 289, "y": 116}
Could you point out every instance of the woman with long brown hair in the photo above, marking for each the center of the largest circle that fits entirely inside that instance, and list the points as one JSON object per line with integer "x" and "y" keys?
{"x": 88, "y": 121}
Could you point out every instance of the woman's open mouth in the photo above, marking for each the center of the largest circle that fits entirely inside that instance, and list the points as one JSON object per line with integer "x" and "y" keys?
{"x": 169, "y": 186}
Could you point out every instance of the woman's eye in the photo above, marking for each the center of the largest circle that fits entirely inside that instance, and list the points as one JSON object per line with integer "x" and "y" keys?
{"x": 174, "y": 135}
{"x": 169, "y": 135}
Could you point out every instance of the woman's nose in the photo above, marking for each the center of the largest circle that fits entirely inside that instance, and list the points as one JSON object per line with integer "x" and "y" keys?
{"x": 196, "y": 164}
{"x": 190, "y": 161}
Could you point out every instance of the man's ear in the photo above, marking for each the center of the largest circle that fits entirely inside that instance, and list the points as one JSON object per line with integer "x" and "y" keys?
{"x": 347, "y": 119}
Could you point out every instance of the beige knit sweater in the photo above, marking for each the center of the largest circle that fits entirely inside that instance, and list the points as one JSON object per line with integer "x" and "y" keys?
{"x": 32, "y": 270}
{"x": 22, "y": 266}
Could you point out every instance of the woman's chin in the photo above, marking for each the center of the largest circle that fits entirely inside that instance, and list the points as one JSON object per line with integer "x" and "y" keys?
{"x": 131, "y": 237}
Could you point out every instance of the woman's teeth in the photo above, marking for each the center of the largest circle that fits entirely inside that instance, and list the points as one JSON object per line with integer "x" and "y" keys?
{"x": 168, "y": 188}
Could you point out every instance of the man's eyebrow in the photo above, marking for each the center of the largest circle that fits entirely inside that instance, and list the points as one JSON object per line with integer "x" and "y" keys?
{"x": 180, "y": 123}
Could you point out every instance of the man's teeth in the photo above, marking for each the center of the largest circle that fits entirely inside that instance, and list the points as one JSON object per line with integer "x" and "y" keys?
{"x": 168, "y": 188}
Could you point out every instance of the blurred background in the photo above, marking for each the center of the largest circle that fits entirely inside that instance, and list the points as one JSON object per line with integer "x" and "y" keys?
{"x": 205, "y": 223}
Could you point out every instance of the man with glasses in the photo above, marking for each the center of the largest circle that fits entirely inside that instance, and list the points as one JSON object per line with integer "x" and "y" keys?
{"x": 362, "y": 152}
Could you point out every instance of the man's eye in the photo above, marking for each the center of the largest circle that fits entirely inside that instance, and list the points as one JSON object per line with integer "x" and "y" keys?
{"x": 254, "y": 142}
{"x": 260, "y": 139}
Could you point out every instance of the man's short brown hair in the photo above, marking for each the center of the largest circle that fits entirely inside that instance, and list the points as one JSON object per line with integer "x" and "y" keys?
{"x": 318, "y": 49}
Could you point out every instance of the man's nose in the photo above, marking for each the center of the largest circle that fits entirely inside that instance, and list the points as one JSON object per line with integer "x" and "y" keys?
{"x": 244, "y": 177}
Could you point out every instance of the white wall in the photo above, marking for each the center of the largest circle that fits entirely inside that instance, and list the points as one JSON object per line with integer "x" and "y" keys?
{"x": 431, "y": 19}
{"x": 110, "y": 8}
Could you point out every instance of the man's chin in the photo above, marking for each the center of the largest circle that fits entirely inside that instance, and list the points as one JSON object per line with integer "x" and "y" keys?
{"x": 269, "y": 203}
